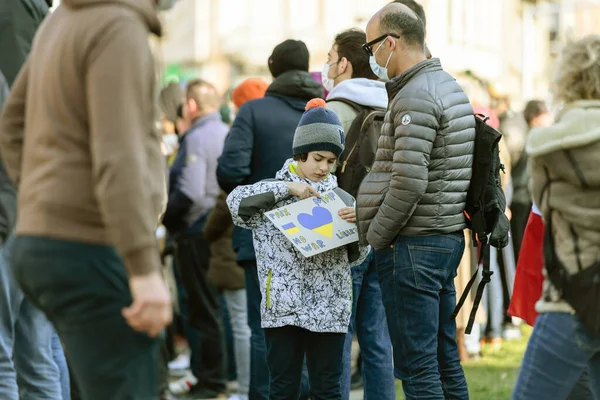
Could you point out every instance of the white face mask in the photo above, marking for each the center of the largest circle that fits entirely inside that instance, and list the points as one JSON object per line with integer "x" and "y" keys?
{"x": 328, "y": 83}
{"x": 170, "y": 141}
{"x": 164, "y": 5}
{"x": 381, "y": 72}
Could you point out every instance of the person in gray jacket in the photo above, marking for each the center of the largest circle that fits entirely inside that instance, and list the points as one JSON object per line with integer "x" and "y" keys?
{"x": 410, "y": 206}
{"x": 193, "y": 192}
{"x": 351, "y": 80}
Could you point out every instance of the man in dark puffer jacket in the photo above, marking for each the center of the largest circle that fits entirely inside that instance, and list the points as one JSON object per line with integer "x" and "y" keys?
{"x": 410, "y": 206}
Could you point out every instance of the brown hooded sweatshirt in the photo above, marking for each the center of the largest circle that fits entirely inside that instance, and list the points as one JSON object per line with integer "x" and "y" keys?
{"x": 78, "y": 133}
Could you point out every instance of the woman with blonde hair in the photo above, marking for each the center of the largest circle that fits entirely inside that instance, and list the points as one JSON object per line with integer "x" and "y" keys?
{"x": 565, "y": 183}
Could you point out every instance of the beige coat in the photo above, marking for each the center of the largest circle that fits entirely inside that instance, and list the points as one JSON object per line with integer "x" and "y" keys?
{"x": 561, "y": 156}
{"x": 78, "y": 132}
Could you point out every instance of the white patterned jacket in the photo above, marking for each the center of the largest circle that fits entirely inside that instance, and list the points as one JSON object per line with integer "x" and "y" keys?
{"x": 311, "y": 293}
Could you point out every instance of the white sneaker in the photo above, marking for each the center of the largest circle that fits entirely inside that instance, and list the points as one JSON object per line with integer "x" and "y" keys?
{"x": 238, "y": 397}
{"x": 183, "y": 385}
{"x": 181, "y": 362}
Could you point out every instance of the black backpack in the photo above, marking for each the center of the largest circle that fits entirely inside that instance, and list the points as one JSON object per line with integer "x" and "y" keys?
{"x": 485, "y": 208}
{"x": 361, "y": 146}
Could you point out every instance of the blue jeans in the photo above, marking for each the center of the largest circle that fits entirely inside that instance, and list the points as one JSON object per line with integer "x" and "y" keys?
{"x": 59, "y": 358}
{"x": 26, "y": 364}
{"x": 259, "y": 369}
{"x": 368, "y": 321}
{"x": 558, "y": 352}
{"x": 416, "y": 275}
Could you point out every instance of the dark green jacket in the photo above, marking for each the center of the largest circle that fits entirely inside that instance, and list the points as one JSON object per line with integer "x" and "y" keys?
{"x": 19, "y": 20}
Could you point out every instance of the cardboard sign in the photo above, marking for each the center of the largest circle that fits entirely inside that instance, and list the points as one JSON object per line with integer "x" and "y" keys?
{"x": 313, "y": 225}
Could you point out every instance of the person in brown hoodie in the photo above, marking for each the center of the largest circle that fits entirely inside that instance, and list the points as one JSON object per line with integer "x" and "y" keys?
{"x": 78, "y": 137}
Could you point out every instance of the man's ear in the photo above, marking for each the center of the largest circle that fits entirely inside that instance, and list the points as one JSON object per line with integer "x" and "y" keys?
{"x": 344, "y": 64}
{"x": 192, "y": 106}
{"x": 392, "y": 43}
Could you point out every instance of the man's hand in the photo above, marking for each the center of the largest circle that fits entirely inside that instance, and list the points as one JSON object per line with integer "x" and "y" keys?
{"x": 151, "y": 310}
{"x": 348, "y": 214}
{"x": 302, "y": 190}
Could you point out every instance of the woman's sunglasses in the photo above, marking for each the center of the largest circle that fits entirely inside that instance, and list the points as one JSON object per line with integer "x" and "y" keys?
{"x": 368, "y": 47}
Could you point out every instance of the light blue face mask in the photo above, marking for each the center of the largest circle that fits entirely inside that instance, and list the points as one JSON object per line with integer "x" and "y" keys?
{"x": 381, "y": 72}
{"x": 164, "y": 5}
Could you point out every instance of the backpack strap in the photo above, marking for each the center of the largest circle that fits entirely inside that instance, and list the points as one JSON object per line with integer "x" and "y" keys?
{"x": 585, "y": 185}
{"x": 486, "y": 277}
{"x": 356, "y": 141}
{"x": 357, "y": 107}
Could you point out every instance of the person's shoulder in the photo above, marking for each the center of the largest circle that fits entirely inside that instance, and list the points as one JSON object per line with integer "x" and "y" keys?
{"x": 341, "y": 105}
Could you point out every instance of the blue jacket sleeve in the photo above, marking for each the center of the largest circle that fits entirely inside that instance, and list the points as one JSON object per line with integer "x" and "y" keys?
{"x": 235, "y": 162}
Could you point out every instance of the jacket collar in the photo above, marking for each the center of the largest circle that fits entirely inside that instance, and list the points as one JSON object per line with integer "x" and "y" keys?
{"x": 577, "y": 125}
{"x": 363, "y": 91}
{"x": 296, "y": 84}
{"x": 288, "y": 173}
{"x": 198, "y": 122}
{"x": 396, "y": 84}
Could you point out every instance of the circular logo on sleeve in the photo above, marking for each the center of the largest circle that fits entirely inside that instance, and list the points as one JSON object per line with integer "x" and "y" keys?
{"x": 406, "y": 119}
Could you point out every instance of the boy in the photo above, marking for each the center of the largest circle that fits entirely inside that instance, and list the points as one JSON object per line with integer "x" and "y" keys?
{"x": 305, "y": 306}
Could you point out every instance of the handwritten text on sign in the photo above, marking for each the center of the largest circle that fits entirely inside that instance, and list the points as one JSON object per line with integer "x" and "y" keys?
{"x": 313, "y": 225}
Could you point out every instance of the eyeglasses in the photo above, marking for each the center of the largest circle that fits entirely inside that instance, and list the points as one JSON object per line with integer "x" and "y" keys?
{"x": 368, "y": 47}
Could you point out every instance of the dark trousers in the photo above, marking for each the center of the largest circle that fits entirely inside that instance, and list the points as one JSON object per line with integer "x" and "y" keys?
{"x": 191, "y": 334}
{"x": 204, "y": 308}
{"x": 518, "y": 222}
{"x": 82, "y": 289}
{"x": 286, "y": 349}
{"x": 259, "y": 370}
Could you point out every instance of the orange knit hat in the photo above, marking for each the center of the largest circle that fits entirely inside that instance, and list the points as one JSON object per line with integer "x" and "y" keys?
{"x": 250, "y": 89}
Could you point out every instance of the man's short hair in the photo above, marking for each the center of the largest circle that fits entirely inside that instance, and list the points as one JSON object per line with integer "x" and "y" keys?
{"x": 418, "y": 9}
{"x": 533, "y": 109}
{"x": 349, "y": 45}
{"x": 203, "y": 93}
{"x": 410, "y": 28}
{"x": 171, "y": 97}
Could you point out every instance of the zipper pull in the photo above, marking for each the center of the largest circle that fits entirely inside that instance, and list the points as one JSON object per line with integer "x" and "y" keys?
{"x": 503, "y": 168}
{"x": 344, "y": 166}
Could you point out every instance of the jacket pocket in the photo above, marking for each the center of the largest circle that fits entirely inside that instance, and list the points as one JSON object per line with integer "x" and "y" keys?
{"x": 283, "y": 292}
{"x": 269, "y": 276}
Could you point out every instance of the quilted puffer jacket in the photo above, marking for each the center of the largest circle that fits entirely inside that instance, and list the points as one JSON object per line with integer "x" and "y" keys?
{"x": 419, "y": 181}
{"x": 312, "y": 293}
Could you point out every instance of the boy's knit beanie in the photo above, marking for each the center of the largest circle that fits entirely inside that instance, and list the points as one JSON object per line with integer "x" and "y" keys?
{"x": 319, "y": 130}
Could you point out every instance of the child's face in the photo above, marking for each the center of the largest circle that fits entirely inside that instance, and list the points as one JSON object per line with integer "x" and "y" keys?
{"x": 317, "y": 165}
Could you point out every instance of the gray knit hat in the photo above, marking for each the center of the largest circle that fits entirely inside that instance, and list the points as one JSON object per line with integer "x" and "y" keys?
{"x": 319, "y": 130}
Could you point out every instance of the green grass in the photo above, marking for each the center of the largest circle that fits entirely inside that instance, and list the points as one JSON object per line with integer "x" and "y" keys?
{"x": 494, "y": 376}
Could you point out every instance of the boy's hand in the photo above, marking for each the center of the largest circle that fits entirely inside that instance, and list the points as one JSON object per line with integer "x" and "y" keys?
{"x": 348, "y": 214}
{"x": 302, "y": 190}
